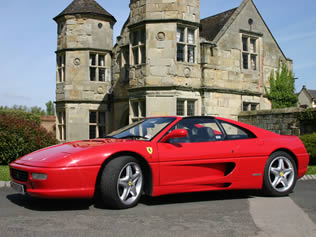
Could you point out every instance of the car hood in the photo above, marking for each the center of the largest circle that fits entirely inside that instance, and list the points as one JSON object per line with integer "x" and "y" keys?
{"x": 65, "y": 154}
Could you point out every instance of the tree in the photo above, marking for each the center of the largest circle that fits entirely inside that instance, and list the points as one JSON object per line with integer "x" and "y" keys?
{"x": 50, "y": 108}
{"x": 37, "y": 110}
{"x": 282, "y": 88}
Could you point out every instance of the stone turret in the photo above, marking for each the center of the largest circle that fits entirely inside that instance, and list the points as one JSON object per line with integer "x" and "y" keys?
{"x": 82, "y": 24}
{"x": 84, "y": 48}
{"x": 164, "y": 54}
{"x": 186, "y": 10}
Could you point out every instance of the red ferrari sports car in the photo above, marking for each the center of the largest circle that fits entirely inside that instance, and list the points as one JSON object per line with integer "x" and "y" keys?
{"x": 164, "y": 155}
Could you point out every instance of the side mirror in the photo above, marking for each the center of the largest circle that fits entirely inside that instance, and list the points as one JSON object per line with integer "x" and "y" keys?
{"x": 174, "y": 134}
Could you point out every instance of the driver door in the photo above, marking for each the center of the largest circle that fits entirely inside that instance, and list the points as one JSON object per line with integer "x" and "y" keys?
{"x": 200, "y": 158}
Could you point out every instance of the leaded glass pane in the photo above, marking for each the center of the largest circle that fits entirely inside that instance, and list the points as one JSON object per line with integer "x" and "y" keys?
{"x": 180, "y": 107}
{"x": 191, "y": 108}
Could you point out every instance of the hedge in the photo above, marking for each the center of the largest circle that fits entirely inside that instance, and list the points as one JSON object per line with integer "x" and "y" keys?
{"x": 309, "y": 141}
{"x": 20, "y": 136}
{"x": 22, "y": 114}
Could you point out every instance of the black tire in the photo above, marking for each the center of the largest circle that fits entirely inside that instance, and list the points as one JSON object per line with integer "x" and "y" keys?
{"x": 279, "y": 180}
{"x": 121, "y": 183}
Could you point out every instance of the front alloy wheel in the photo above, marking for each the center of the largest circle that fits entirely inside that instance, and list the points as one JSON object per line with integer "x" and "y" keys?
{"x": 280, "y": 174}
{"x": 122, "y": 183}
{"x": 129, "y": 183}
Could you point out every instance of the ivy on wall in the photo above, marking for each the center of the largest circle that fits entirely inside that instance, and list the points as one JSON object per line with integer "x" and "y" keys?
{"x": 282, "y": 88}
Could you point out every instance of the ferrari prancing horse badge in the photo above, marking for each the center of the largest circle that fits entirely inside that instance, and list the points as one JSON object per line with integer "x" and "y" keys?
{"x": 150, "y": 150}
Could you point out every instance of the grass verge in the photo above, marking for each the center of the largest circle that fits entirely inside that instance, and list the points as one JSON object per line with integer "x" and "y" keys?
{"x": 4, "y": 173}
{"x": 311, "y": 169}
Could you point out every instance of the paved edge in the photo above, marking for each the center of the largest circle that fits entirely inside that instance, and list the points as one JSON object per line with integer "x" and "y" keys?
{"x": 4, "y": 184}
{"x": 271, "y": 213}
{"x": 308, "y": 177}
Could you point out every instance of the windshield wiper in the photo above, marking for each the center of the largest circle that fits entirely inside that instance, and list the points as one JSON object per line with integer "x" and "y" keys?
{"x": 133, "y": 137}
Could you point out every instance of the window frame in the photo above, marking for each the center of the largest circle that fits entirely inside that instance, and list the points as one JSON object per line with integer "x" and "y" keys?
{"x": 97, "y": 123}
{"x": 138, "y": 47}
{"x": 186, "y": 106}
{"x": 211, "y": 120}
{"x": 61, "y": 125}
{"x": 97, "y": 67}
{"x": 249, "y": 106}
{"x": 140, "y": 108}
{"x": 249, "y": 133}
{"x": 186, "y": 45}
{"x": 125, "y": 62}
{"x": 61, "y": 67}
{"x": 249, "y": 53}
{"x": 60, "y": 27}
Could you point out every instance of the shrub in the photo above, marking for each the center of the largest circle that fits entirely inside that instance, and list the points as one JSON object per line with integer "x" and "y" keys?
{"x": 309, "y": 141}
{"x": 21, "y": 114}
{"x": 20, "y": 136}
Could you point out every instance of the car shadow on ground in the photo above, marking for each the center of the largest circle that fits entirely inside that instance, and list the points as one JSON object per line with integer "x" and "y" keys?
{"x": 199, "y": 197}
{"x": 38, "y": 204}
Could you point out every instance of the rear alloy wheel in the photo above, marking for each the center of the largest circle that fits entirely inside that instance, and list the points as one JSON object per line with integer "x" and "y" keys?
{"x": 122, "y": 183}
{"x": 280, "y": 174}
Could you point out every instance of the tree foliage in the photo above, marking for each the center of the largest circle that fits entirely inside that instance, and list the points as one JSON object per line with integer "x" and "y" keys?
{"x": 21, "y": 113}
{"x": 20, "y": 108}
{"x": 282, "y": 88}
{"x": 50, "y": 108}
{"x": 30, "y": 113}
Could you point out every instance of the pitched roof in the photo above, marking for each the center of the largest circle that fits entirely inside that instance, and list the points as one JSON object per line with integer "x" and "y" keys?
{"x": 85, "y": 7}
{"x": 312, "y": 93}
{"x": 212, "y": 25}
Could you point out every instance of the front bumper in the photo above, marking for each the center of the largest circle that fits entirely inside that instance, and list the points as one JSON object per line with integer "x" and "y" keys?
{"x": 69, "y": 182}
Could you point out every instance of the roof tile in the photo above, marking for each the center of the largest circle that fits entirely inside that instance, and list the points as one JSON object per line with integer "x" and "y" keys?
{"x": 312, "y": 93}
{"x": 85, "y": 7}
{"x": 212, "y": 25}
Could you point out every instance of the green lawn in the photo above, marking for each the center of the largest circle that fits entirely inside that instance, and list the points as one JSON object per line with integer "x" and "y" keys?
{"x": 4, "y": 173}
{"x": 311, "y": 169}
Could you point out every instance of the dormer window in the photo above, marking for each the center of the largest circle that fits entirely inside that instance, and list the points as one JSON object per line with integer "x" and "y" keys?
{"x": 186, "y": 44}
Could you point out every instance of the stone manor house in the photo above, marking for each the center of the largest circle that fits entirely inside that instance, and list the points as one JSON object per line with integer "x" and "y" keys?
{"x": 166, "y": 61}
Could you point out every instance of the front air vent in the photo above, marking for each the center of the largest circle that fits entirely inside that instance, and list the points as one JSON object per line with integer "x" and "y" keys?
{"x": 19, "y": 175}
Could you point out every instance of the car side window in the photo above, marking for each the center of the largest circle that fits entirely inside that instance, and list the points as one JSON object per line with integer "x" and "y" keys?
{"x": 199, "y": 130}
{"x": 234, "y": 132}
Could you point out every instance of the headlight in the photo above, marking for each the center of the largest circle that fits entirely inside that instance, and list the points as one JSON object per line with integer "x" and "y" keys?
{"x": 39, "y": 176}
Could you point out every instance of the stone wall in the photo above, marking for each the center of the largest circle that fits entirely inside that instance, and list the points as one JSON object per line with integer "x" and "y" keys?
{"x": 84, "y": 31}
{"x": 49, "y": 123}
{"x": 188, "y": 10}
{"x": 290, "y": 121}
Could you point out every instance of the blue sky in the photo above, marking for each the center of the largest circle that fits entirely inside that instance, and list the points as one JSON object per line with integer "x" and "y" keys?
{"x": 28, "y": 38}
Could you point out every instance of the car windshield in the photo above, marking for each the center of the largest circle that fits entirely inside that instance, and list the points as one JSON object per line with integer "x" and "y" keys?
{"x": 145, "y": 129}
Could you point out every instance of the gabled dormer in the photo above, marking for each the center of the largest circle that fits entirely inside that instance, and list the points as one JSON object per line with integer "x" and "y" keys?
{"x": 239, "y": 42}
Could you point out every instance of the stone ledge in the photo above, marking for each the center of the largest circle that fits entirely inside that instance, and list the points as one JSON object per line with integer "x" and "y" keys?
{"x": 272, "y": 111}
